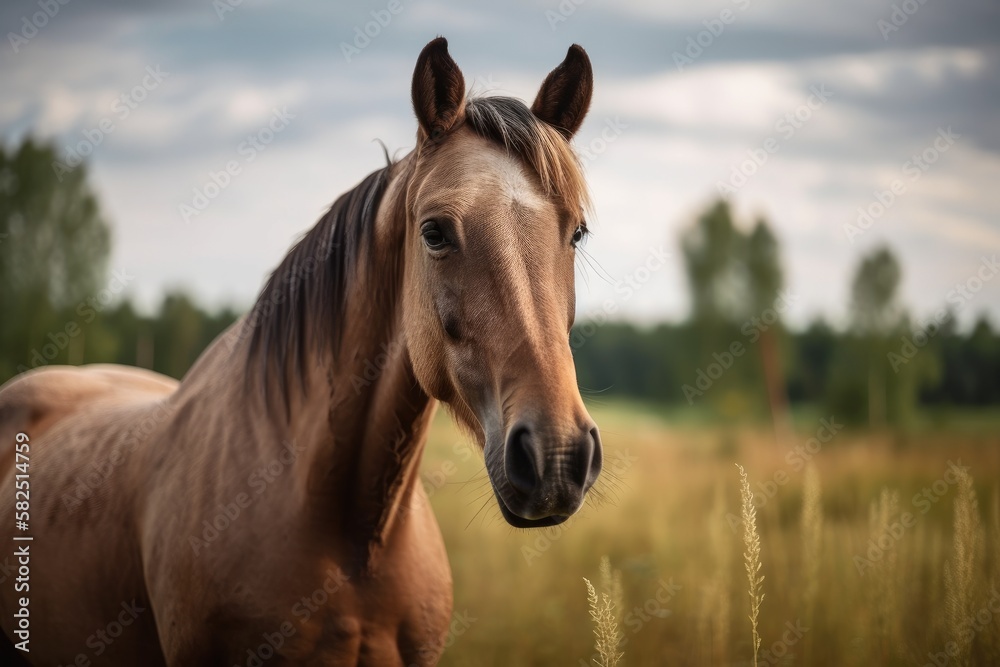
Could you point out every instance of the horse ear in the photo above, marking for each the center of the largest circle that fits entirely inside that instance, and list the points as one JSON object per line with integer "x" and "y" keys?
{"x": 438, "y": 89}
{"x": 564, "y": 97}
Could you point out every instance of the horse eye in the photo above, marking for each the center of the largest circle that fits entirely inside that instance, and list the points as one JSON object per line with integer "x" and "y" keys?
{"x": 578, "y": 235}
{"x": 434, "y": 239}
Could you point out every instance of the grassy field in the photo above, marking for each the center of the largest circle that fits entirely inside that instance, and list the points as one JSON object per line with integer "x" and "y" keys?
{"x": 878, "y": 573}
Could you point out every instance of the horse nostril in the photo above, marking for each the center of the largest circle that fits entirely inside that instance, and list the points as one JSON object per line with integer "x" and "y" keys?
{"x": 521, "y": 460}
{"x": 593, "y": 470}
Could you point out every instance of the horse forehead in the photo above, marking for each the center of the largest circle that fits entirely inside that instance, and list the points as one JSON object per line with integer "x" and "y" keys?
{"x": 509, "y": 211}
{"x": 490, "y": 176}
{"x": 514, "y": 187}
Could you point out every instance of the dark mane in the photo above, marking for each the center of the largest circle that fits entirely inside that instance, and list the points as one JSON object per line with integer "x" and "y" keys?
{"x": 302, "y": 304}
{"x": 510, "y": 123}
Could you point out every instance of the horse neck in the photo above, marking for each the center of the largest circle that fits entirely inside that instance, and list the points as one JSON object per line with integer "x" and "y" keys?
{"x": 360, "y": 467}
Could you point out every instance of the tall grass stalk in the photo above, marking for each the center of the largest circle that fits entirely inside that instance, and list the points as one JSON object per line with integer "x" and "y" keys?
{"x": 992, "y": 639}
{"x": 716, "y": 602}
{"x": 961, "y": 570}
{"x": 611, "y": 582}
{"x": 884, "y": 590}
{"x": 812, "y": 542}
{"x": 751, "y": 558}
{"x": 605, "y": 611}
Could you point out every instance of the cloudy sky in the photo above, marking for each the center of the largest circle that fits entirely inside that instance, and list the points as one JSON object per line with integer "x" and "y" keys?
{"x": 836, "y": 102}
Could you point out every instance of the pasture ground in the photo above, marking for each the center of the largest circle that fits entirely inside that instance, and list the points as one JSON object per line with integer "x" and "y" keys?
{"x": 669, "y": 520}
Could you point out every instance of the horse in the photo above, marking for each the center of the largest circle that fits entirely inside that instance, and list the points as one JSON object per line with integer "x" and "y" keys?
{"x": 268, "y": 507}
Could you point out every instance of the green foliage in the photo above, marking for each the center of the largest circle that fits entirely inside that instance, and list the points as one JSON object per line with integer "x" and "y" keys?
{"x": 54, "y": 246}
{"x": 763, "y": 265}
{"x": 713, "y": 249}
{"x": 60, "y": 303}
{"x": 823, "y": 367}
{"x": 874, "y": 307}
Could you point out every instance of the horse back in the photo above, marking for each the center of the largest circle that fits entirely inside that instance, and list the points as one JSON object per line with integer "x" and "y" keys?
{"x": 76, "y": 419}
{"x": 36, "y": 401}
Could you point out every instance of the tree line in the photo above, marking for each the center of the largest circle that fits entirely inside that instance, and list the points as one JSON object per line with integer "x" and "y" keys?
{"x": 733, "y": 355}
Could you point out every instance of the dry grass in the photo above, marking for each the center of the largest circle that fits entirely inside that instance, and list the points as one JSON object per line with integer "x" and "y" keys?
{"x": 751, "y": 557}
{"x": 812, "y": 538}
{"x": 673, "y": 515}
{"x": 812, "y": 543}
{"x": 605, "y": 612}
{"x": 884, "y": 522}
{"x": 716, "y": 604}
{"x": 992, "y": 639}
{"x": 963, "y": 569}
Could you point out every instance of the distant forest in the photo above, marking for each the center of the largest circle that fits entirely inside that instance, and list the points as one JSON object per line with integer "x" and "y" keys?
{"x": 733, "y": 354}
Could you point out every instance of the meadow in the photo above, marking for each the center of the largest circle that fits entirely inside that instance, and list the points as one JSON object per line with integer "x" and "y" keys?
{"x": 875, "y": 548}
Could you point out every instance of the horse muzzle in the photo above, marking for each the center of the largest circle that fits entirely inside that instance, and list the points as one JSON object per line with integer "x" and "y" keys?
{"x": 542, "y": 477}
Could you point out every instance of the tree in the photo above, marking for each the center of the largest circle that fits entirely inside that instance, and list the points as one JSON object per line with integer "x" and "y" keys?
{"x": 713, "y": 249}
{"x": 54, "y": 247}
{"x": 178, "y": 335}
{"x": 875, "y": 309}
{"x": 763, "y": 268}
{"x": 875, "y": 315}
{"x": 814, "y": 351}
{"x": 735, "y": 279}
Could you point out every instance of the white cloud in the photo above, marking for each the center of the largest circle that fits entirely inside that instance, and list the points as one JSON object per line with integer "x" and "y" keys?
{"x": 686, "y": 131}
{"x": 843, "y": 17}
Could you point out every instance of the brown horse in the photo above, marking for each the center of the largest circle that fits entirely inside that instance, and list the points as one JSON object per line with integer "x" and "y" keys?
{"x": 268, "y": 509}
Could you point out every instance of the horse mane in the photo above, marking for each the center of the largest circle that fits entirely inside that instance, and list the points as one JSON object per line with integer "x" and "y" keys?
{"x": 510, "y": 123}
{"x": 304, "y": 300}
{"x": 303, "y": 303}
